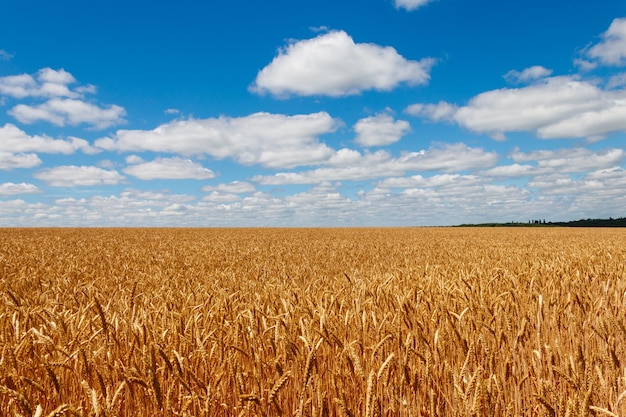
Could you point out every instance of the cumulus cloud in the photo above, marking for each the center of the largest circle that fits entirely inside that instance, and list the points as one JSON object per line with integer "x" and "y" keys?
{"x": 441, "y": 111}
{"x": 10, "y": 160}
{"x": 9, "y": 188}
{"x": 332, "y": 64}
{"x": 513, "y": 170}
{"x": 46, "y": 83}
{"x": 571, "y": 159}
{"x": 611, "y": 50}
{"x": 62, "y": 112}
{"x": 380, "y": 130}
{"x": 73, "y": 176}
{"x": 410, "y": 4}
{"x": 528, "y": 74}
{"x": 235, "y": 187}
{"x": 442, "y": 198}
{"x": 13, "y": 139}
{"x": 221, "y": 197}
{"x": 605, "y": 185}
{"x": 419, "y": 181}
{"x": 271, "y": 140}
{"x": 64, "y": 105}
{"x": 557, "y": 107}
{"x": 557, "y": 163}
{"x": 168, "y": 168}
{"x": 380, "y": 164}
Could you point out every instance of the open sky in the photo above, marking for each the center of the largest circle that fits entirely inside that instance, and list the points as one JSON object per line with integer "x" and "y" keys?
{"x": 311, "y": 113}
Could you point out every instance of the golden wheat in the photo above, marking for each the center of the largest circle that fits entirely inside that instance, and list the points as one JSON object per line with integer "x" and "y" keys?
{"x": 312, "y": 322}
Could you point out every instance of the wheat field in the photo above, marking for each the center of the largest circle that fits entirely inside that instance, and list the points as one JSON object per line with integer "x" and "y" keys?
{"x": 313, "y": 322}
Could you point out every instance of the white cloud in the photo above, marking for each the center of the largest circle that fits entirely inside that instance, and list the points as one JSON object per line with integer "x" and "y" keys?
{"x": 448, "y": 158}
{"x": 72, "y": 176}
{"x": 9, "y": 188}
{"x": 172, "y": 111}
{"x": 603, "y": 185}
{"x": 61, "y": 112}
{"x": 436, "y": 112}
{"x": 60, "y": 77}
{"x": 591, "y": 124}
{"x": 443, "y": 198}
{"x": 65, "y": 103}
{"x": 557, "y": 107}
{"x": 571, "y": 159}
{"x": 612, "y": 49}
{"x": 418, "y": 181}
{"x": 9, "y": 160}
{"x": 221, "y": 197}
{"x": 380, "y": 130}
{"x": 556, "y": 163}
{"x": 333, "y": 64}
{"x": 134, "y": 159}
{"x": 235, "y": 187}
{"x": 168, "y": 168}
{"x": 410, "y": 4}
{"x": 272, "y": 140}
{"x": 529, "y": 74}
{"x": 13, "y": 139}
{"x": 48, "y": 83}
{"x": 513, "y": 170}
{"x": 617, "y": 175}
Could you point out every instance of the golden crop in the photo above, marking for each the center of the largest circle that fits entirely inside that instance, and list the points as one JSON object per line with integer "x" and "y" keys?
{"x": 313, "y": 322}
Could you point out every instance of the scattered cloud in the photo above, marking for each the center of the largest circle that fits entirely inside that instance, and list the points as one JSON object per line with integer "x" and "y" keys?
{"x": 10, "y": 160}
{"x": 442, "y": 198}
{"x": 571, "y": 159}
{"x": 441, "y": 111}
{"x": 300, "y": 176}
{"x": 9, "y": 188}
{"x": 440, "y": 180}
{"x": 611, "y": 50}
{"x": 167, "y": 168}
{"x": 64, "y": 105}
{"x": 529, "y": 74}
{"x": 332, "y": 64}
{"x": 380, "y": 164}
{"x": 235, "y": 187}
{"x": 221, "y": 197}
{"x": 13, "y": 139}
{"x": 271, "y": 140}
{"x": 513, "y": 170}
{"x": 380, "y": 130}
{"x": 546, "y": 163}
{"x": 556, "y": 107}
{"x": 47, "y": 83}
{"x": 73, "y": 176}
{"x": 410, "y": 5}
{"x": 62, "y": 112}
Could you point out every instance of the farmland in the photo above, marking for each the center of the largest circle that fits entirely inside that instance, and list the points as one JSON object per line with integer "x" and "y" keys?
{"x": 313, "y": 322}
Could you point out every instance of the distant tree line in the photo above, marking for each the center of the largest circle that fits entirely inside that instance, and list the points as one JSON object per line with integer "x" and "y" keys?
{"x": 610, "y": 222}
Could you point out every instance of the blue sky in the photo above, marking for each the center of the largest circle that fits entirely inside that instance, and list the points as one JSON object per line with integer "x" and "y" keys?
{"x": 311, "y": 113}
